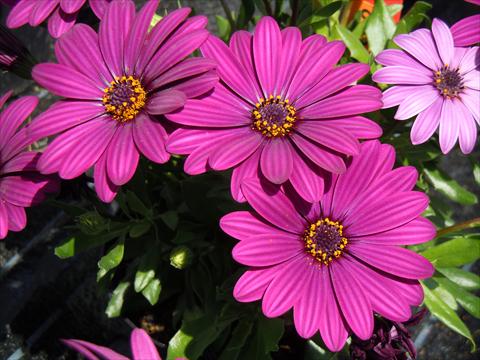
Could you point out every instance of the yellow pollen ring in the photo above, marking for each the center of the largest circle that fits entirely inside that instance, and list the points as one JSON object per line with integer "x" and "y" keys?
{"x": 268, "y": 127}
{"x": 133, "y": 95}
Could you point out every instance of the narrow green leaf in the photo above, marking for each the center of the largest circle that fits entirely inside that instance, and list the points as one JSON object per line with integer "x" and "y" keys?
{"x": 267, "y": 335}
{"x": 324, "y": 12}
{"x": 469, "y": 302}
{"x": 245, "y": 14}
{"x": 446, "y": 315}
{"x": 414, "y": 17}
{"x": 463, "y": 278}
{"x": 357, "y": 50}
{"x": 140, "y": 229}
{"x": 136, "y": 204}
{"x": 446, "y": 296}
{"x": 237, "y": 341}
{"x": 113, "y": 258}
{"x": 452, "y": 253}
{"x": 146, "y": 270}
{"x": 476, "y": 173}
{"x": 170, "y": 218}
{"x": 114, "y": 307}
{"x": 152, "y": 291}
{"x": 380, "y": 27}
{"x": 449, "y": 187}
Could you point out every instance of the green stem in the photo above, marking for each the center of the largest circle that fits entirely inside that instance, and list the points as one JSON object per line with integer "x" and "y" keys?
{"x": 228, "y": 13}
{"x": 293, "y": 19}
{"x": 458, "y": 227}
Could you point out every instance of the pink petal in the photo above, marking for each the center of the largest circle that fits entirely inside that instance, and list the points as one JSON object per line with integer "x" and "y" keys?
{"x": 402, "y": 75}
{"x": 3, "y": 220}
{"x": 113, "y": 32}
{"x": 319, "y": 155}
{"x": 165, "y": 101}
{"x": 150, "y": 137}
{"x": 14, "y": 115}
{"x": 198, "y": 85}
{"x": 4, "y": 98}
{"x": 184, "y": 141}
{"x": 472, "y": 79}
{"x": 470, "y": 59}
{"x": 396, "y": 94}
{"x": 417, "y": 231}
{"x": 60, "y": 22}
{"x": 252, "y": 284}
{"x": 17, "y": 219}
{"x": 247, "y": 169}
{"x": 291, "y": 47}
{"x": 25, "y": 190}
{"x": 41, "y": 11}
{"x": 86, "y": 349}
{"x": 418, "y": 100}
{"x": 25, "y": 161}
{"x": 287, "y": 286}
{"x": 467, "y": 130}
{"x": 142, "y": 346}
{"x": 193, "y": 23}
{"x": 449, "y": 125}
{"x": 267, "y": 47}
{"x": 64, "y": 81}
{"x": 421, "y": 46}
{"x": 273, "y": 205}
{"x": 358, "y": 126}
{"x": 105, "y": 189}
{"x": 122, "y": 156}
{"x": 267, "y": 249}
{"x": 243, "y": 225}
{"x": 277, "y": 160}
{"x": 395, "y": 57}
{"x": 71, "y": 6}
{"x": 20, "y": 13}
{"x": 443, "y": 39}
{"x": 307, "y": 179}
{"x": 394, "y": 260}
{"x": 79, "y": 50}
{"x": 352, "y": 300}
{"x": 99, "y": 7}
{"x": 426, "y": 123}
{"x": 471, "y": 99}
{"x": 197, "y": 161}
{"x": 465, "y": 32}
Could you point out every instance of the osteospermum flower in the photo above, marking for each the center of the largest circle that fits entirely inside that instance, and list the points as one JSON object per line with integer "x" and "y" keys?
{"x": 337, "y": 261}
{"x": 21, "y": 185}
{"x": 437, "y": 81}
{"x": 61, "y": 14}
{"x": 116, "y": 85}
{"x": 282, "y": 108}
{"x": 141, "y": 345}
{"x": 466, "y": 32}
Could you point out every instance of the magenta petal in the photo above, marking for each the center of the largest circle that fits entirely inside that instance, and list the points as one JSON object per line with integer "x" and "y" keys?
{"x": 383, "y": 298}
{"x": 260, "y": 249}
{"x": 449, "y": 124}
{"x": 307, "y": 311}
{"x": 273, "y": 205}
{"x": 165, "y": 101}
{"x": 230, "y": 69}
{"x": 184, "y": 141}
{"x": 113, "y": 32}
{"x": 352, "y": 300}
{"x": 105, "y": 189}
{"x": 71, "y": 6}
{"x": 394, "y": 260}
{"x": 88, "y": 349}
{"x": 3, "y": 220}
{"x": 123, "y": 156}
{"x": 247, "y": 169}
{"x": 426, "y": 123}
{"x": 319, "y": 155}
{"x": 277, "y": 160}
{"x": 418, "y": 100}
{"x": 252, "y": 284}
{"x": 244, "y": 224}
{"x": 358, "y": 126}
{"x": 142, "y": 346}
{"x": 465, "y": 32}
{"x": 4, "y": 98}
{"x": 64, "y": 81}
{"x": 402, "y": 75}
{"x": 17, "y": 219}
{"x": 307, "y": 179}
{"x": 330, "y": 136}
{"x": 24, "y": 161}
{"x": 197, "y": 161}
{"x": 417, "y": 231}
{"x": 99, "y": 7}
{"x": 137, "y": 35}
{"x": 41, "y": 11}
{"x": 79, "y": 49}
{"x": 24, "y": 190}
{"x": 14, "y": 115}
{"x": 20, "y": 13}
{"x": 443, "y": 39}
{"x": 334, "y": 81}
{"x": 291, "y": 46}
{"x": 386, "y": 213}
{"x": 150, "y": 137}
{"x": 267, "y": 47}
{"x": 191, "y": 24}
{"x": 60, "y": 22}
{"x": 234, "y": 148}
{"x": 287, "y": 286}
{"x": 411, "y": 290}
{"x": 198, "y": 85}
{"x": 332, "y": 325}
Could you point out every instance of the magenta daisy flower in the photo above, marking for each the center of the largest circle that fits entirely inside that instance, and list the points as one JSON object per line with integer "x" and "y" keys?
{"x": 338, "y": 261}
{"x": 282, "y": 109}
{"x": 117, "y": 84}
{"x": 437, "y": 81}
{"x": 21, "y": 186}
{"x": 466, "y": 32}
{"x": 61, "y": 14}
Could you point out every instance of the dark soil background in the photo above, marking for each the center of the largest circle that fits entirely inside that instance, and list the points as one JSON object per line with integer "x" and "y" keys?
{"x": 43, "y": 299}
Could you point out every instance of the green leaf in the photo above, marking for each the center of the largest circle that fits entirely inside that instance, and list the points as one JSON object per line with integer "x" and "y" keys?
{"x": 237, "y": 341}
{"x": 224, "y": 28}
{"x": 113, "y": 258}
{"x": 313, "y": 351}
{"x": 452, "y": 253}
{"x": 414, "y": 17}
{"x": 324, "y": 12}
{"x": 446, "y": 315}
{"x": 140, "y": 229}
{"x": 380, "y": 27}
{"x": 446, "y": 296}
{"x": 469, "y": 302}
{"x": 245, "y": 14}
{"x": 463, "y": 278}
{"x": 476, "y": 173}
{"x": 146, "y": 270}
{"x": 393, "y": 9}
{"x": 170, "y": 218}
{"x": 357, "y": 50}
{"x": 449, "y": 187}
{"x": 136, "y": 204}
{"x": 267, "y": 335}
{"x": 152, "y": 291}
{"x": 114, "y": 307}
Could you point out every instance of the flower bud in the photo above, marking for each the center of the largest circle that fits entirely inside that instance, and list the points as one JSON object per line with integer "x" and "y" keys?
{"x": 181, "y": 257}
{"x": 91, "y": 223}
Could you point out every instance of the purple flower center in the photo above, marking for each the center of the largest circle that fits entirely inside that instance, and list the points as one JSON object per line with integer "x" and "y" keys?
{"x": 324, "y": 240}
{"x": 273, "y": 117}
{"x": 124, "y": 98}
{"x": 449, "y": 82}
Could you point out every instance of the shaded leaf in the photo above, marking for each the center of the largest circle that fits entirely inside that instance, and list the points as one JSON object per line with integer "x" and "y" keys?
{"x": 114, "y": 307}
{"x": 237, "y": 341}
{"x": 451, "y": 253}
{"x": 463, "y": 278}
{"x": 449, "y": 187}
{"x": 469, "y": 302}
{"x": 152, "y": 291}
